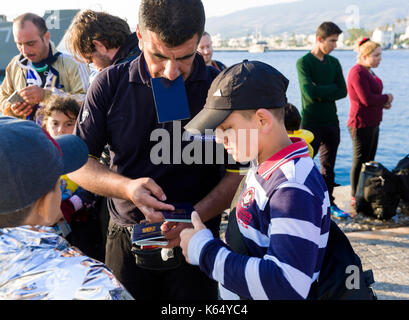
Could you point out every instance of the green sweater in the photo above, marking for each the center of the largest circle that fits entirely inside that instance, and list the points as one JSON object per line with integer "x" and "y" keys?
{"x": 321, "y": 84}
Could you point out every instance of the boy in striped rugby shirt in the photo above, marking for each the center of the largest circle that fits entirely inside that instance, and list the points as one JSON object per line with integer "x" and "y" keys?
{"x": 283, "y": 209}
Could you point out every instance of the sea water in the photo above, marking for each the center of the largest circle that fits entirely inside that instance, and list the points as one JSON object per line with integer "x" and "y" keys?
{"x": 394, "y": 129}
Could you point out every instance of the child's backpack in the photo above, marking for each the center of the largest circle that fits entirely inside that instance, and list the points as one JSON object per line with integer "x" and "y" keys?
{"x": 339, "y": 261}
{"x": 377, "y": 193}
{"x": 339, "y": 257}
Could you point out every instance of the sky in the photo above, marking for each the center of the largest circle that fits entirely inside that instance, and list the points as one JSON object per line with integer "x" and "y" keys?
{"x": 125, "y": 9}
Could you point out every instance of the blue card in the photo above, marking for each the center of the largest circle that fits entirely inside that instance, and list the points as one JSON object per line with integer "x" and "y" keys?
{"x": 148, "y": 234}
{"x": 170, "y": 99}
{"x": 182, "y": 213}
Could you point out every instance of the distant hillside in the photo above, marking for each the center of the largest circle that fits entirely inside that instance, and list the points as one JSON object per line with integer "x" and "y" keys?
{"x": 305, "y": 15}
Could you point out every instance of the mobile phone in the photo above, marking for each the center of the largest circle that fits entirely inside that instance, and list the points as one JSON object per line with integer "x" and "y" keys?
{"x": 15, "y": 98}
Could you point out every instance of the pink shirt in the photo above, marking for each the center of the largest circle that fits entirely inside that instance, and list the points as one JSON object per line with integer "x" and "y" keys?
{"x": 366, "y": 98}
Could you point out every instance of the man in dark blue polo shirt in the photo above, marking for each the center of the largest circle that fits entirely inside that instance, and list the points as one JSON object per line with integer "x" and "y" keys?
{"x": 120, "y": 110}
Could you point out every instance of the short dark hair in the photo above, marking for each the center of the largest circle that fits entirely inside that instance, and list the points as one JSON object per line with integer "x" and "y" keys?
{"x": 327, "y": 29}
{"x": 278, "y": 113}
{"x": 292, "y": 118}
{"x": 67, "y": 105}
{"x": 35, "y": 19}
{"x": 174, "y": 21}
{"x": 15, "y": 219}
{"x": 91, "y": 25}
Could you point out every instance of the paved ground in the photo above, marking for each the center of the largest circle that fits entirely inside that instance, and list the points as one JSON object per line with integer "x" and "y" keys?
{"x": 386, "y": 252}
{"x": 383, "y": 246}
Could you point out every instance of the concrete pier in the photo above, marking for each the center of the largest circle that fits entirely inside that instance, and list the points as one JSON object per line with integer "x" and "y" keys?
{"x": 383, "y": 246}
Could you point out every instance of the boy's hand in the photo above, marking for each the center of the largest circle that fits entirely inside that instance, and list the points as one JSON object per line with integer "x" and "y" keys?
{"x": 171, "y": 230}
{"x": 188, "y": 233}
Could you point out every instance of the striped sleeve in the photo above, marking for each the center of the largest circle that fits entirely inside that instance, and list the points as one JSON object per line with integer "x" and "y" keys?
{"x": 288, "y": 268}
{"x": 297, "y": 236}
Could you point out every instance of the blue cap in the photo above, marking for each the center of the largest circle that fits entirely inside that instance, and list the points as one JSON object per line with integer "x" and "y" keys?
{"x": 248, "y": 85}
{"x": 31, "y": 162}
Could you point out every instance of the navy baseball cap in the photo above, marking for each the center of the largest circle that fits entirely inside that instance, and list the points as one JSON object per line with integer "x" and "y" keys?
{"x": 244, "y": 86}
{"x": 31, "y": 162}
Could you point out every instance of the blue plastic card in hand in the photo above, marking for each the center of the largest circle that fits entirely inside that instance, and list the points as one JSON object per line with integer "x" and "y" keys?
{"x": 182, "y": 213}
{"x": 170, "y": 99}
{"x": 148, "y": 234}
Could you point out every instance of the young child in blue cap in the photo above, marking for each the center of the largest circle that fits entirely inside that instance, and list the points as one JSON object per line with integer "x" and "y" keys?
{"x": 35, "y": 262}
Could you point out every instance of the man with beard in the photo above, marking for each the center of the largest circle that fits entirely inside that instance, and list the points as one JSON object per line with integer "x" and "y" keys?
{"x": 101, "y": 39}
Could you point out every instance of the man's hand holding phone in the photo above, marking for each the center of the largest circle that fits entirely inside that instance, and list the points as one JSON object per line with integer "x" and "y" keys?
{"x": 19, "y": 106}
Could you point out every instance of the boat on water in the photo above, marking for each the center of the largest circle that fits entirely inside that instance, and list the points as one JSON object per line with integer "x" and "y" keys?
{"x": 258, "y": 47}
{"x": 57, "y": 21}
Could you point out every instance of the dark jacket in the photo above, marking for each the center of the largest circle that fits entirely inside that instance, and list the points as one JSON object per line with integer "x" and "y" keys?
{"x": 128, "y": 51}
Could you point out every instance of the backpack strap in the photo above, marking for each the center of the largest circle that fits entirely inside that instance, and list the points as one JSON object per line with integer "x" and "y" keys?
{"x": 339, "y": 254}
{"x": 233, "y": 234}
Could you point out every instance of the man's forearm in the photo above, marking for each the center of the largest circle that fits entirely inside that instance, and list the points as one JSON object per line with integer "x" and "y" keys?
{"x": 97, "y": 178}
{"x": 220, "y": 197}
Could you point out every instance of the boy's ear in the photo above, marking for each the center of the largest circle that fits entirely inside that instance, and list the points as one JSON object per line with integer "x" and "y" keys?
{"x": 264, "y": 119}
{"x": 47, "y": 211}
